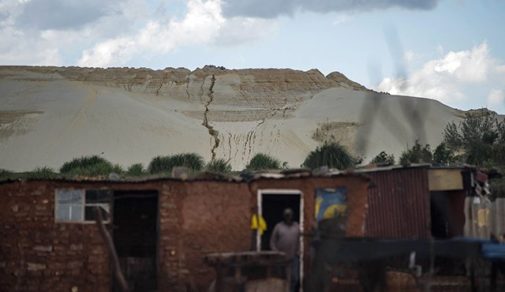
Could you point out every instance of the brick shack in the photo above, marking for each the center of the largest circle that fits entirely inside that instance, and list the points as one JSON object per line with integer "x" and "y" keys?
{"x": 161, "y": 227}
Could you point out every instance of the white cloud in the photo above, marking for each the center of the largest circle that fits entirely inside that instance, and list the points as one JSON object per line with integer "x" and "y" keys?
{"x": 199, "y": 25}
{"x": 469, "y": 66}
{"x": 53, "y": 43}
{"x": 28, "y": 49}
{"x": 445, "y": 78}
{"x": 122, "y": 31}
{"x": 496, "y": 98}
{"x": 202, "y": 24}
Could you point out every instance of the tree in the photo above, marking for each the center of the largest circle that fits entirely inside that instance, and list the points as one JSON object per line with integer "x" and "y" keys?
{"x": 89, "y": 166}
{"x": 161, "y": 164}
{"x": 384, "y": 159}
{"x": 218, "y": 166}
{"x": 442, "y": 154}
{"x": 416, "y": 154}
{"x": 479, "y": 139}
{"x": 262, "y": 161}
{"x": 332, "y": 155}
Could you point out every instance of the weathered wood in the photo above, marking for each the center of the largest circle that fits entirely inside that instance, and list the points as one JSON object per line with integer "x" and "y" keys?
{"x": 246, "y": 258}
{"x": 445, "y": 179}
{"x": 123, "y": 285}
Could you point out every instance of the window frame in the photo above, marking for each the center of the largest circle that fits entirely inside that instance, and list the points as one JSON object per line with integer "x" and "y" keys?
{"x": 83, "y": 206}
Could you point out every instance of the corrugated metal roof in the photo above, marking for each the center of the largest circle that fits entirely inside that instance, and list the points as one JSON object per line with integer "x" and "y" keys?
{"x": 399, "y": 204}
{"x": 204, "y": 176}
{"x": 133, "y": 180}
{"x": 393, "y": 167}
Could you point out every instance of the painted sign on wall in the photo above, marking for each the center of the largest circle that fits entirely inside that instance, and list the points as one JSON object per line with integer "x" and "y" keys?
{"x": 331, "y": 203}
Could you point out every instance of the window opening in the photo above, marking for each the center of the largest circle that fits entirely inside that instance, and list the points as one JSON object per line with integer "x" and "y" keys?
{"x": 78, "y": 205}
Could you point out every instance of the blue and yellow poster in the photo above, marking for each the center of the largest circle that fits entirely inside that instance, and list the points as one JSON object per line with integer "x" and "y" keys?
{"x": 331, "y": 203}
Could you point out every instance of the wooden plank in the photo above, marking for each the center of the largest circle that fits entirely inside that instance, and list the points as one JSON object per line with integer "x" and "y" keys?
{"x": 445, "y": 179}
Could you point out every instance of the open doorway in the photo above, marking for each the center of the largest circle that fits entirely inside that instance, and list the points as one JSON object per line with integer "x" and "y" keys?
{"x": 271, "y": 204}
{"x": 447, "y": 215}
{"x": 135, "y": 234}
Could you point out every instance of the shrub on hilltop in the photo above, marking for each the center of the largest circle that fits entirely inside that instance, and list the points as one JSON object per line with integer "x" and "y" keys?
{"x": 89, "y": 166}
{"x": 218, "y": 166}
{"x": 417, "y": 154}
{"x": 165, "y": 164}
{"x": 136, "y": 169}
{"x": 384, "y": 159}
{"x": 331, "y": 155}
{"x": 262, "y": 161}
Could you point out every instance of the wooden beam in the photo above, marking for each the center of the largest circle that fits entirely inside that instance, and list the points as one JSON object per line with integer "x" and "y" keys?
{"x": 123, "y": 285}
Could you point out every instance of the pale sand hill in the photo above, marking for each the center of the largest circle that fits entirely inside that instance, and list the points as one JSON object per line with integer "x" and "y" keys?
{"x": 49, "y": 115}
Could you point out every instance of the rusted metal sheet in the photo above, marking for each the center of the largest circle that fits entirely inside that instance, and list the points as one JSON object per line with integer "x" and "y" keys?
{"x": 399, "y": 204}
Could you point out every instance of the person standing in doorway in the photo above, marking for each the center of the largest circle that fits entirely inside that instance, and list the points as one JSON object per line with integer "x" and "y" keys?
{"x": 286, "y": 238}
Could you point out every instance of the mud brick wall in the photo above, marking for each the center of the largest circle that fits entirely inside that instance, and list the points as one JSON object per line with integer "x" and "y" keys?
{"x": 36, "y": 254}
{"x": 170, "y": 257}
{"x": 211, "y": 217}
{"x": 194, "y": 218}
{"x": 357, "y": 196}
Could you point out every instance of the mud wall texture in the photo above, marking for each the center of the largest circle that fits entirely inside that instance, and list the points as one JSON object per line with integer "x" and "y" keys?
{"x": 36, "y": 254}
{"x": 195, "y": 218}
{"x": 357, "y": 196}
{"x": 198, "y": 218}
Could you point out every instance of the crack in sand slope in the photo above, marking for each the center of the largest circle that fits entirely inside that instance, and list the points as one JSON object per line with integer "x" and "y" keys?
{"x": 164, "y": 77}
{"x": 212, "y": 132}
{"x": 188, "y": 80}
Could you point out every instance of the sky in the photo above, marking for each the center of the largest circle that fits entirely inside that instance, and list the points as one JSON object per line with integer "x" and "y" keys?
{"x": 449, "y": 50}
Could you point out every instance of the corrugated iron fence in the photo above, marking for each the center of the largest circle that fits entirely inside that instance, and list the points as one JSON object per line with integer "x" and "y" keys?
{"x": 484, "y": 217}
{"x": 399, "y": 204}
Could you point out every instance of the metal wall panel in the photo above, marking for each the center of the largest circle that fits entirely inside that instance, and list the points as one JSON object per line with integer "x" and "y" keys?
{"x": 399, "y": 204}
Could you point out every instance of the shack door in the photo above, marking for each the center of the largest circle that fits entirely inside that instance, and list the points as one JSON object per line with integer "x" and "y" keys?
{"x": 271, "y": 204}
{"x": 135, "y": 229}
{"x": 272, "y": 208}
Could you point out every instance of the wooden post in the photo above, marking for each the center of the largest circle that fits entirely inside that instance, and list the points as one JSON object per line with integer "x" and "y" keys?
{"x": 123, "y": 285}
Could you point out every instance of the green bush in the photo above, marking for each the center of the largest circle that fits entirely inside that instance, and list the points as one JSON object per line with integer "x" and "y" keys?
{"x": 218, "y": 166}
{"x": 384, "y": 159}
{"x": 38, "y": 173}
{"x": 42, "y": 173}
{"x": 332, "y": 155}
{"x": 161, "y": 164}
{"x": 89, "y": 166}
{"x": 417, "y": 154}
{"x": 136, "y": 169}
{"x": 262, "y": 161}
{"x": 5, "y": 174}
